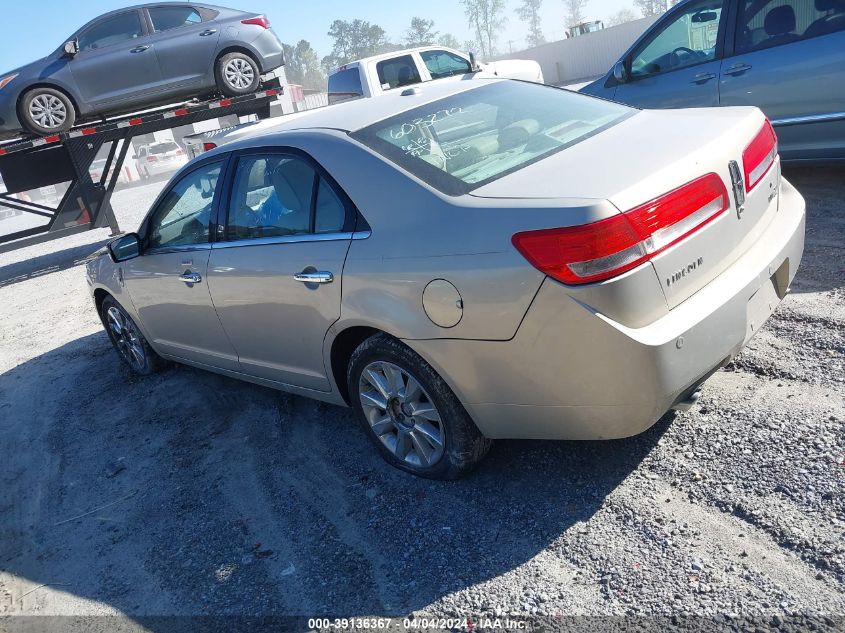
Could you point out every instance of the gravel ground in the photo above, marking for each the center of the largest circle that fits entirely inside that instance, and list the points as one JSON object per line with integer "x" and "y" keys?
{"x": 189, "y": 493}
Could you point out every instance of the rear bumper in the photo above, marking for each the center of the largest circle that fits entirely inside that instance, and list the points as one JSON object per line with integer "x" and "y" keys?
{"x": 573, "y": 373}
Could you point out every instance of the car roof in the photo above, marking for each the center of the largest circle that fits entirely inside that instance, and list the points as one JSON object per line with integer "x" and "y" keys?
{"x": 355, "y": 114}
{"x": 404, "y": 51}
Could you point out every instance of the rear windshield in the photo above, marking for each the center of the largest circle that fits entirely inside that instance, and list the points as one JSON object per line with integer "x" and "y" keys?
{"x": 345, "y": 84}
{"x": 462, "y": 142}
{"x": 163, "y": 148}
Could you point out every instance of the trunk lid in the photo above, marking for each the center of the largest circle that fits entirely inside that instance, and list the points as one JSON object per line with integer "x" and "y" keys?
{"x": 649, "y": 155}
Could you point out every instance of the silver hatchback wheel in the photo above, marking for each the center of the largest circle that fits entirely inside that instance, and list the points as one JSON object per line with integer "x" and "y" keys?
{"x": 238, "y": 73}
{"x": 48, "y": 111}
{"x": 127, "y": 338}
{"x": 401, "y": 414}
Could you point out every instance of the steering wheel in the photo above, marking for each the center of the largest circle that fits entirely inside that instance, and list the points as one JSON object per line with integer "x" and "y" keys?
{"x": 675, "y": 59}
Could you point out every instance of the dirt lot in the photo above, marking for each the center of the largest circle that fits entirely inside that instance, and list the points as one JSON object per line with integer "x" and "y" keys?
{"x": 188, "y": 493}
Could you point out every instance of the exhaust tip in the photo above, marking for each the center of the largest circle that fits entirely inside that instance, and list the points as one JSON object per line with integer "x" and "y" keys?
{"x": 686, "y": 405}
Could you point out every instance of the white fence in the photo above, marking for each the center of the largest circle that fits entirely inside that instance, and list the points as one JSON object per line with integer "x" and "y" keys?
{"x": 586, "y": 56}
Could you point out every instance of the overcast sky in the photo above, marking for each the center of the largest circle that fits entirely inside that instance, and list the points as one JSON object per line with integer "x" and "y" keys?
{"x": 30, "y": 30}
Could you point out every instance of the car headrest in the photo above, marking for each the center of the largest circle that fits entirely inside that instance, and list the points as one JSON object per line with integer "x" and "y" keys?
{"x": 780, "y": 20}
{"x": 518, "y": 133}
{"x": 293, "y": 182}
{"x": 404, "y": 76}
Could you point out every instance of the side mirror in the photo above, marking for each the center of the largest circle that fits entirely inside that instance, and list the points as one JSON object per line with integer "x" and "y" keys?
{"x": 474, "y": 67}
{"x": 620, "y": 74}
{"x": 125, "y": 247}
{"x": 71, "y": 47}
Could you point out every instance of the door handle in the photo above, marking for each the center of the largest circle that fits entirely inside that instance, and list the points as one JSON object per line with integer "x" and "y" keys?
{"x": 190, "y": 278}
{"x": 737, "y": 69}
{"x": 700, "y": 78}
{"x": 139, "y": 49}
{"x": 317, "y": 277}
{"x": 208, "y": 32}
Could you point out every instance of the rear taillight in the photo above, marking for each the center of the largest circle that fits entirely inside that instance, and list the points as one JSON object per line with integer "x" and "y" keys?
{"x": 152, "y": 159}
{"x": 207, "y": 147}
{"x": 759, "y": 156}
{"x": 593, "y": 252}
{"x": 259, "y": 21}
{"x": 180, "y": 152}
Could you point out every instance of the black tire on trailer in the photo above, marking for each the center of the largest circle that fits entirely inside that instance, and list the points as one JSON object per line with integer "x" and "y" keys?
{"x": 45, "y": 111}
{"x": 410, "y": 413}
{"x": 237, "y": 74}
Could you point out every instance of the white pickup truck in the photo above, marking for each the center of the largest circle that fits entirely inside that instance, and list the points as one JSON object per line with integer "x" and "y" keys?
{"x": 376, "y": 75}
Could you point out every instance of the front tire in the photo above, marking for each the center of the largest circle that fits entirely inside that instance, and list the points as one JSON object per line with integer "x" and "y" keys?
{"x": 237, "y": 74}
{"x": 410, "y": 413}
{"x": 131, "y": 346}
{"x": 45, "y": 111}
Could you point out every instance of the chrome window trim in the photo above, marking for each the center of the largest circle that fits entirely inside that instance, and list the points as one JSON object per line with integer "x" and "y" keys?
{"x": 177, "y": 249}
{"x": 810, "y": 118}
{"x": 293, "y": 239}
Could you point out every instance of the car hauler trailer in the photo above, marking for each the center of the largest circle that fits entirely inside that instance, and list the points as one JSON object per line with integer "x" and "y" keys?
{"x": 66, "y": 159}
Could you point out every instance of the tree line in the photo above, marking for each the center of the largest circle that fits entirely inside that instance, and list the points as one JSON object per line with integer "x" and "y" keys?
{"x": 356, "y": 39}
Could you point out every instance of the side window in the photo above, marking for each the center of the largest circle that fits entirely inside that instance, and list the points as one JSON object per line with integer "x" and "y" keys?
{"x": 182, "y": 218}
{"x": 271, "y": 197}
{"x": 113, "y": 30}
{"x": 689, "y": 38}
{"x": 330, "y": 213}
{"x": 397, "y": 72}
{"x": 166, "y": 18}
{"x": 766, "y": 24}
{"x": 445, "y": 64}
{"x": 278, "y": 194}
{"x": 345, "y": 84}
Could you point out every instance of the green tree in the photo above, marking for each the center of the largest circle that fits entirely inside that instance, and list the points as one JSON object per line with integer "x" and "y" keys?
{"x": 447, "y": 39}
{"x": 529, "y": 12}
{"x": 575, "y": 11}
{"x": 302, "y": 66}
{"x": 421, "y": 33}
{"x": 353, "y": 40}
{"x": 623, "y": 15}
{"x": 651, "y": 8}
{"x": 486, "y": 20}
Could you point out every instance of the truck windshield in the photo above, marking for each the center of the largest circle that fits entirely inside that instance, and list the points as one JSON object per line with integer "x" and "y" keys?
{"x": 467, "y": 140}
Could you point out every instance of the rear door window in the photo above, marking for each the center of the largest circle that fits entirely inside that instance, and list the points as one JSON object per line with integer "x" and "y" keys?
{"x": 442, "y": 64}
{"x": 167, "y": 18}
{"x": 768, "y": 23}
{"x": 397, "y": 72}
{"x": 345, "y": 84}
{"x": 110, "y": 31}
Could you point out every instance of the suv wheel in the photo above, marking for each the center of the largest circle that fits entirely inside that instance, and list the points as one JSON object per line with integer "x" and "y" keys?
{"x": 45, "y": 111}
{"x": 237, "y": 74}
{"x": 410, "y": 413}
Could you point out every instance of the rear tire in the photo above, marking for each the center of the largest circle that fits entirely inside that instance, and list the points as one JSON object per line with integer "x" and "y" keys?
{"x": 237, "y": 74}
{"x": 131, "y": 346}
{"x": 45, "y": 111}
{"x": 410, "y": 413}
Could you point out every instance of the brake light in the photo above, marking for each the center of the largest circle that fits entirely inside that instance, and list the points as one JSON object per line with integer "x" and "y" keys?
{"x": 759, "y": 156}
{"x": 180, "y": 152}
{"x": 152, "y": 159}
{"x": 594, "y": 252}
{"x": 258, "y": 21}
{"x": 207, "y": 147}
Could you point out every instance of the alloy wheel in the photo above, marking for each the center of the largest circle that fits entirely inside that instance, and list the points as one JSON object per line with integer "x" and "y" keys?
{"x": 401, "y": 414}
{"x": 126, "y": 337}
{"x": 48, "y": 111}
{"x": 239, "y": 73}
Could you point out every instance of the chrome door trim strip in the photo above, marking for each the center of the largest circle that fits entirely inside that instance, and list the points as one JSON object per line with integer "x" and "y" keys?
{"x": 291, "y": 239}
{"x": 810, "y": 118}
{"x": 177, "y": 249}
